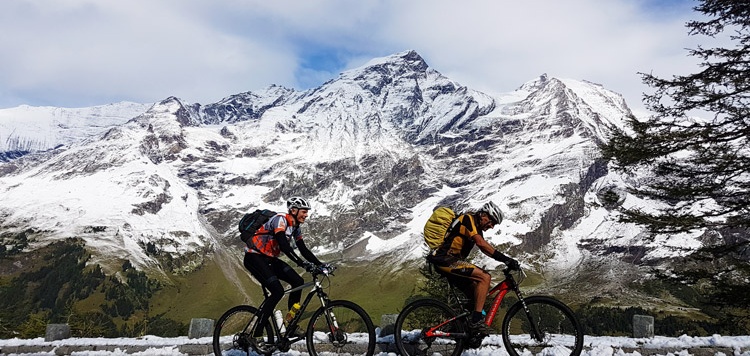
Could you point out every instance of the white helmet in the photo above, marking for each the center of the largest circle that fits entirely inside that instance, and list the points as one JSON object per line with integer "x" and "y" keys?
{"x": 493, "y": 211}
{"x": 297, "y": 202}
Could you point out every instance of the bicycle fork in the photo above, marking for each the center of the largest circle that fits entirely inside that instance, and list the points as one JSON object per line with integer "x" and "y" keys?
{"x": 333, "y": 325}
{"x": 535, "y": 333}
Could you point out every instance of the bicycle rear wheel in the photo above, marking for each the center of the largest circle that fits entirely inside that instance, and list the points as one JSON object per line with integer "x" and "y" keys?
{"x": 557, "y": 329}
{"x": 341, "y": 328}
{"x": 232, "y": 331}
{"x": 418, "y": 318}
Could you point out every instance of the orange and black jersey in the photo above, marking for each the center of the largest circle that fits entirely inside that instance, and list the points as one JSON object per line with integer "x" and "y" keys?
{"x": 458, "y": 242}
{"x": 264, "y": 241}
{"x": 280, "y": 234}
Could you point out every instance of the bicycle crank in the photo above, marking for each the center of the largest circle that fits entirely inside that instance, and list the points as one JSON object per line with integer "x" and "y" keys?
{"x": 475, "y": 341}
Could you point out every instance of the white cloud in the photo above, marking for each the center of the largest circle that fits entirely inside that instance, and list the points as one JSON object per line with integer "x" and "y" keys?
{"x": 70, "y": 52}
{"x": 85, "y": 52}
{"x": 496, "y": 46}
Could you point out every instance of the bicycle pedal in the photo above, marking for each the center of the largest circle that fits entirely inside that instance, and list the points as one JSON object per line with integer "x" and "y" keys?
{"x": 260, "y": 345}
{"x": 475, "y": 341}
{"x": 480, "y": 328}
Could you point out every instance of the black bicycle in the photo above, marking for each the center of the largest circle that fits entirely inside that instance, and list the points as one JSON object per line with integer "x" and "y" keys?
{"x": 537, "y": 325}
{"x": 337, "y": 327}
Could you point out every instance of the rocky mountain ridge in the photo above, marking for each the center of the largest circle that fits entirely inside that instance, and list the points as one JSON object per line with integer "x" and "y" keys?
{"x": 375, "y": 150}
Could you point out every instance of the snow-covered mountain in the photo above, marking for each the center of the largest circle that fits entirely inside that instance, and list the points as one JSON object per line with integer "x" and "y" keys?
{"x": 374, "y": 149}
{"x": 27, "y": 129}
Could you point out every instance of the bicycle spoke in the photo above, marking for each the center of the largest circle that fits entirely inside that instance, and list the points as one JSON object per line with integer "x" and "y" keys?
{"x": 425, "y": 330}
{"x": 342, "y": 328}
{"x": 550, "y": 330}
{"x": 232, "y": 334}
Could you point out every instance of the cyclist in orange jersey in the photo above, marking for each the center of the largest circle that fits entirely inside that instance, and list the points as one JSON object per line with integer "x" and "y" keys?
{"x": 281, "y": 233}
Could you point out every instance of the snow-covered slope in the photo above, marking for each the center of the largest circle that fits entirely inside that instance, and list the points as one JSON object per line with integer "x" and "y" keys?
{"x": 374, "y": 149}
{"x": 27, "y": 129}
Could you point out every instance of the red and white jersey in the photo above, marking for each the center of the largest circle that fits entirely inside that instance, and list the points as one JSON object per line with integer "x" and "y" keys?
{"x": 263, "y": 241}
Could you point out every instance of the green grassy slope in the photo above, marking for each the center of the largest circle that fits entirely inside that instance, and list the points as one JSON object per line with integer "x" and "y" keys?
{"x": 207, "y": 292}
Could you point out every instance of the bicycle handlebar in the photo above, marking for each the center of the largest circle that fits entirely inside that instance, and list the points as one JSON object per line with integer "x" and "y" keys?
{"x": 507, "y": 272}
{"x": 325, "y": 269}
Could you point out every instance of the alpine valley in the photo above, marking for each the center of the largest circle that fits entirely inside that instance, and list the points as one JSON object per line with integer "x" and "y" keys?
{"x": 153, "y": 192}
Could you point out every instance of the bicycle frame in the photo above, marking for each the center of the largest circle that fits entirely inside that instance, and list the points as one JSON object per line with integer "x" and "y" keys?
{"x": 499, "y": 290}
{"x": 441, "y": 324}
{"x": 317, "y": 289}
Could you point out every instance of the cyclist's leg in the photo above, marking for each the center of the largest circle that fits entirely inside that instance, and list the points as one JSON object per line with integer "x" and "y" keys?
{"x": 480, "y": 283}
{"x": 287, "y": 274}
{"x": 259, "y": 266}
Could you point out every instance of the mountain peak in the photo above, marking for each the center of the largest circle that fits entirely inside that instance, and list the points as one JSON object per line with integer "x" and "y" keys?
{"x": 535, "y": 84}
{"x": 409, "y": 58}
{"x": 173, "y": 106}
{"x": 395, "y": 65}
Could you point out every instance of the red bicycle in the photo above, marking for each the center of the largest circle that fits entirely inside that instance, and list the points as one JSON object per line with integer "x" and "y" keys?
{"x": 537, "y": 325}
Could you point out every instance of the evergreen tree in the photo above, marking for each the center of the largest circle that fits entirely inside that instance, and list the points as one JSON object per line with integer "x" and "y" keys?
{"x": 701, "y": 167}
{"x": 696, "y": 147}
{"x": 434, "y": 286}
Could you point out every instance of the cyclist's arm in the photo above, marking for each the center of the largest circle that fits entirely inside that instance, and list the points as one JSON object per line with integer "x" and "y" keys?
{"x": 488, "y": 250}
{"x": 483, "y": 245}
{"x": 306, "y": 253}
{"x": 286, "y": 248}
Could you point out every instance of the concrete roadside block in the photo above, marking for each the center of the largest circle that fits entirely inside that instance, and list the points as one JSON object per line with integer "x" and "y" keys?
{"x": 387, "y": 323}
{"x": 200, "y": 327}
{"x": 57, "y": 332}
{"x": 643, "y": 326}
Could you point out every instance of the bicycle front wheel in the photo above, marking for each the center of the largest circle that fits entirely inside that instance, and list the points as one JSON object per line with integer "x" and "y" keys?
{"x": 232, "y": 331}
{"x": 341, "y": 328}
{"x": 548, "y": 328}
{"x": 429, "y": 327}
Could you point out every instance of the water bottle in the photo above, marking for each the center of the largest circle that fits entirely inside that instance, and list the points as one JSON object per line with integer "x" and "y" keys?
{"x": 292, "y": 312}
{"x": 279, "y": 320}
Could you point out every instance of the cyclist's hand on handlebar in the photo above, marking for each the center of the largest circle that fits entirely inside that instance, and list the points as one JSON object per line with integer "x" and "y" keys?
{"x": 309, "y": 266}
{"x": 513, "y": 265}
{"x": 326, "y": 268}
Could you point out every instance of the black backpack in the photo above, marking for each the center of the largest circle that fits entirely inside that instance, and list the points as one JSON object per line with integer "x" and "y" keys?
{"x": 251, "y": 222}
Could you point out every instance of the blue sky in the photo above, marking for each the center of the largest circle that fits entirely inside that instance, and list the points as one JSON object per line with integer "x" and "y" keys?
{"x": 75, "y": 53}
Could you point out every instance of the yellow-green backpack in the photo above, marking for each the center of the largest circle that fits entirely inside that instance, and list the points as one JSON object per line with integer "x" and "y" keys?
{"x": 437, "y": 226}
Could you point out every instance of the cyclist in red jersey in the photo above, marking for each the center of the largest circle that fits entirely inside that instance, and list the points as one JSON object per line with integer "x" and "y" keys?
{"x": 279, "y": 234}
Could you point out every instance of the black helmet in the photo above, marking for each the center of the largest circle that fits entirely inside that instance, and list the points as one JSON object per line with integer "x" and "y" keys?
{"x": 493, "y": 211}
{"x": 297, "y": 202}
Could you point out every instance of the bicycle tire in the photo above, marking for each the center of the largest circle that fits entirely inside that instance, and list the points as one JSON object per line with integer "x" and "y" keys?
{"x": 353, "y": 332}
{"x": 231, "y": 334}
{"x": 561, "y": 333}
{"x": 420, "y": 315}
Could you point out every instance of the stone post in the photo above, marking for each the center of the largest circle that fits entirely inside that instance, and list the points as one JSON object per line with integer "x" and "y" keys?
{"x": 57, "y": 332}
{"x": 200, "y": 327}
{"x": 643, "y": 326}
{"x": 387, "y": 321}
